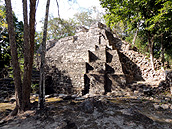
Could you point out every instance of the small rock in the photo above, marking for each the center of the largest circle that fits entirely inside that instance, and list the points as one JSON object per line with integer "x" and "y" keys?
{"x": 165, "y": 106}
{"x": 70, "y": 125}
{"x": 48, "y": 96}
{"x": 67, "y": 97}
{"x": 151, "y": 98}
{"x": 62, "y": 95}
{"x": 35, "y": 95}
{"x": 38, "y": 122}
{"x": 156, "y": 106}
{"x": 6, "y": 100}
{"x": 170, "y": 107}
{"x": 55, "y": 95}
{"x": 79, "y": 99}
{"x": 88, "y": 106}
{"x": 2, "y": 122}
{"x": 12, "y": 100}
{"x": 141, "y": 117}
{"x": 74, "y": 96}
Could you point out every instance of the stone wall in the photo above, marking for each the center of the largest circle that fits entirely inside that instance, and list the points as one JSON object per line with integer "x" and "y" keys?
{"x": 168, "y": 79}
{"x": 137, "y": 65}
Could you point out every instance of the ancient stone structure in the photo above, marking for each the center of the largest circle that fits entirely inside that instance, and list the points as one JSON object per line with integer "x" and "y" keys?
{"x": 84, "y": 63}
{"x": 95, "y": 62}
{"x": 168, "y": 79}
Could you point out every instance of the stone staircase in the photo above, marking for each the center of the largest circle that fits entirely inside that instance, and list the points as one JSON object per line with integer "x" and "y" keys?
{"x": 7, "y": 88}
{"x": 103, "y": 71}
{"x": 96, "y": 62}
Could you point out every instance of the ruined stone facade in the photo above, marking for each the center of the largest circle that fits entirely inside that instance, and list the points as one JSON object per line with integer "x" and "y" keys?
{"x": 94, "y": 62}
{"x": 84, "y": 63}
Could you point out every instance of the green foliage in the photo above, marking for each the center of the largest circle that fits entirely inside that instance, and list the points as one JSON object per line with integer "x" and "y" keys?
{"x": 87, "y": 17}
{"x": 35, "y": 88}
{"x": 59, "y": 28}
{"x": 3, "y": 23}
{"x": 153, "y": 16}
{"x": 5, "y": 55}
{"x": 38, "y": 40}
{"x": 83, "y": 18}
{"x": 140, "y": 43}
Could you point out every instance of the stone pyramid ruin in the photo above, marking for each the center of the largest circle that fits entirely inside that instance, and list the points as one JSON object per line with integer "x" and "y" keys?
{"x": 95, "y": 62}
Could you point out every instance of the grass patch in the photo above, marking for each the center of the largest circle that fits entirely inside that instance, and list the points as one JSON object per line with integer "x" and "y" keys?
{"x": 4, "y": 106}
{"x": 53, "y": 99}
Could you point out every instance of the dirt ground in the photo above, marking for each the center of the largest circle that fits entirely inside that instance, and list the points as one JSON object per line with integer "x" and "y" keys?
{"x": 94, "y": 113}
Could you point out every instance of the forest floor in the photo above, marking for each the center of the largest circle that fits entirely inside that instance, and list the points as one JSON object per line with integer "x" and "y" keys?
{"x": 101, "y": 112}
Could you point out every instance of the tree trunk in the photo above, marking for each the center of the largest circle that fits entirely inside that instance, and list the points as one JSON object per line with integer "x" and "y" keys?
{"x": 22, "y": 90}
{"x": 32, "y": 42}
{"x": 42, "y": 67}
{"x": 151, "y": 56}
{"x": 151, "y": 44}
{"x": 15, "y": 63}
{"x": 135, "y": 36}
{"x": 29, "y": 35}
{"x": 32, "y": 32}
{"x": 26, "y": 79}
{"x": 162, "y": 51}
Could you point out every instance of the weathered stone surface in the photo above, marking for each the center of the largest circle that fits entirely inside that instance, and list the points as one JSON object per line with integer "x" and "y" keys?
{"x": 168, "y": 79}
{"x": 87, "y": 106}
{"x": 72, "y": 62}
{"x": 97, "y": 83}
{"x": 137, "y": 66}
{"x": 78, "y": 64}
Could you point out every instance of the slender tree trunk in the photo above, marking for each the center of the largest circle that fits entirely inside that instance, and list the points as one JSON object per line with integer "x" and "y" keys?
{"x": 151, "y": 56}
{"x": 162, "y": 51}
{"x": 42, "y": 67}
{"x": 29, "y": 35}
{"x": 151, "y": 44}
{"x": 15, "y": 63}
{"x": 135, "y": 36}
{"x": 32, "y": 31}
{"x": 1, "y": 58}
{"x": 26, "y": 79}
{"x": 32, "y": 42}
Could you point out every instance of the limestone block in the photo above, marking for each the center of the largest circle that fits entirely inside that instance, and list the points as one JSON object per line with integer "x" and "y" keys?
{"x": 75, "y": 56}
{"x": 115, "y": 82}
{"x": 79, "y": 67}
{"x": 97, "y": 56}
{"x": 96, "y": 83}
{"x": 77, "y": 79}
{"x": 168, "y": 78}
{"x": 114, "y": 67}
{"x": 96, "y": 67}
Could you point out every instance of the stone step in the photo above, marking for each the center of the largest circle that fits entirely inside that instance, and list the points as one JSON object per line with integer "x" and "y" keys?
{"x": 111, "y": 56}
{"x": 100, "y": 47}
{"x": 95, "y": 83}
{"x": 114, "y": 67}
{"x": 102, "y": 67}
{"x": 97, "y": 56}
{"x": 96, "y": 67}
{"x": 114, "y": 82}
